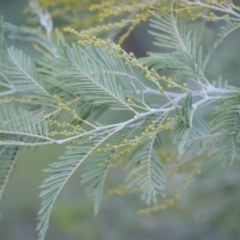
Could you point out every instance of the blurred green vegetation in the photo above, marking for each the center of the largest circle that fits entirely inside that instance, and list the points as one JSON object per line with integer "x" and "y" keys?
{"x": 209, "y": 210}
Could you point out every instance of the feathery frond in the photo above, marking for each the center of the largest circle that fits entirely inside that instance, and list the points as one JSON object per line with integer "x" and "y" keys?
{"x": 166, "y": 25}
{"x": 160, "y": 61}
{"x": 225, "y": 31}
{"x": 28, "y": 34}
{"x": 95, "y": 176}
{"x": 184, "y": 57}
{"x": 201, "y": 141}
{"x": 226, "y": 121}
{"x": 81, "y": 73}
{"x": 61, "y": 171}
{"x": 8, "y": 156}
{"x": 21, "y": 71}
{"x": 183, "y": 124}
{"x": 147, "y": 172}
{"x": 19, "y": 122}
{"x": 98, "y": 166}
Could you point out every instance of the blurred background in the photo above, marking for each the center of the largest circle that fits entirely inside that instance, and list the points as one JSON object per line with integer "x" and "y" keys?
{"x": 209, "y": 210}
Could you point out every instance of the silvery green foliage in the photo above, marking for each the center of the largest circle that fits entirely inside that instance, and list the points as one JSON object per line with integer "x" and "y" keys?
{"x": 86, "y": 83}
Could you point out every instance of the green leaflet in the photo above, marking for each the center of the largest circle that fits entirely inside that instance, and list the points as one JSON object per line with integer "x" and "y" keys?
{"x": 98, "y": 166}
{"x": 78, "y": 71}
{"x": 182, "y": 127}
{"x": 226, "y": 122}
{"x": 202, "y": 142}
{"x": 95, "y": 177}
{"x": 19, "y": 123}
{"x": 8, "y": 156}
{"x": 19, "y": 72}
{"x": 162, "y": 61}
{"x": 146, "y": 172}
{"x": 225, "y": 31}
{"x": 166, "y": 36}
{"x": 60, "y": 172}
{"x": 185, "y": 57}
{"x": 179, "y": 61}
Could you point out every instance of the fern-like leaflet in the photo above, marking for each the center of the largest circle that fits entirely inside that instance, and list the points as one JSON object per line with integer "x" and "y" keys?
{"x": 226, "y": 122}
{"x": 8, "y": 156}
{"x": 182, "y": 126}
{"x": 147, "y": 172}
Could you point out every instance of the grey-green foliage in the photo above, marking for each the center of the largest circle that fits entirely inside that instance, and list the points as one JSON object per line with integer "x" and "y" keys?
{"x": 147, "y": 172}
{"x": 224, "y": 31}
{"x": 182, "y": 127}
{"x": 17, "y": 122}
{"x": 8, "y": 156}
{"x": 227, "y": 122}
{"x": 60, "y": 173}
{"x": 74, "y": 66}
{"x": 98, "y": 166}
{"x": 85, "y": 83}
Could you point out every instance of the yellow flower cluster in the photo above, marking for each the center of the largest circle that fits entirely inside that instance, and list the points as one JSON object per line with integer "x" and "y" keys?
{"x": 70, "y": 129}
{"x": 86, "y": 15}
{"x": 127, "y": 145}
{"x": 115, "y": 50}
{"x": 121, "y": 190}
